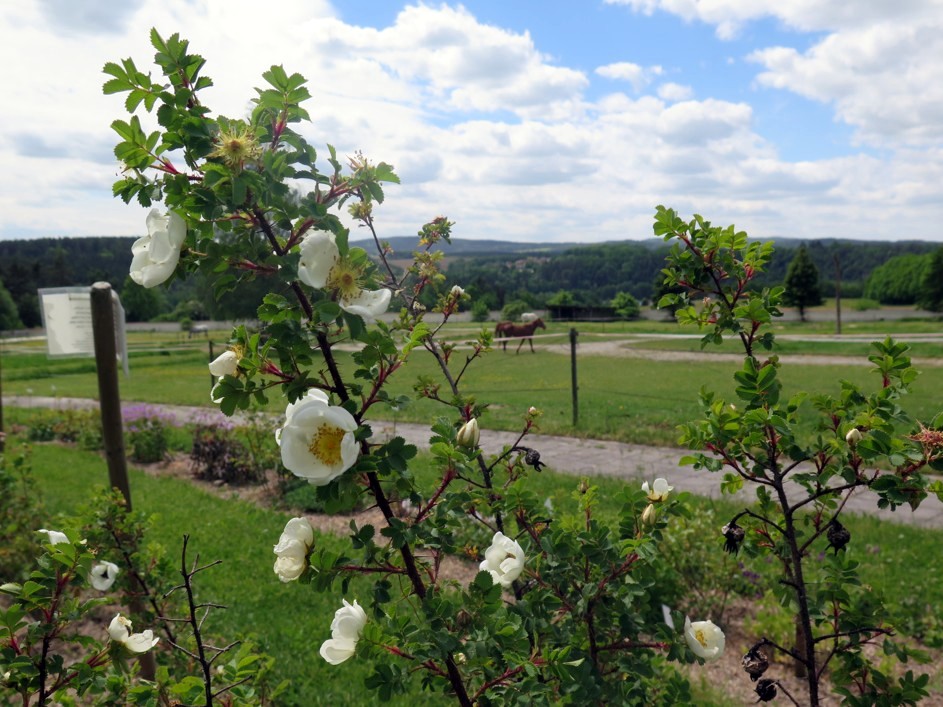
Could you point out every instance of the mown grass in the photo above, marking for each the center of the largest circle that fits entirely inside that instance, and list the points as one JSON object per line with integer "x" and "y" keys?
{"x": 290, "y": 620}
{"x": 899, "y": 561}
{"x": 626, "y": 399}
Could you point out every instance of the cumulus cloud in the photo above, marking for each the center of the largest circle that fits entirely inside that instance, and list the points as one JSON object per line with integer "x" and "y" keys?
{"x": 675, "y": 92}
{"x": 636, "y": 75}
{"x": 487, "y": 128}
{"x": 876, "y": 64}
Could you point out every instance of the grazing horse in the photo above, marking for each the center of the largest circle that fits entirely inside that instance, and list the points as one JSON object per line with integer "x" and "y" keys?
{"x": 506, "y": 330}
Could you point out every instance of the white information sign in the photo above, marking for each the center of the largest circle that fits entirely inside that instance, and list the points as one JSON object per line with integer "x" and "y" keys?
{"x": 67, "y": 318}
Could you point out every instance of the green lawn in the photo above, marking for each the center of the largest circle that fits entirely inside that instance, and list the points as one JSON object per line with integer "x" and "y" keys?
{"x": 900, "y": 561}
{"x": 627, "y": 399}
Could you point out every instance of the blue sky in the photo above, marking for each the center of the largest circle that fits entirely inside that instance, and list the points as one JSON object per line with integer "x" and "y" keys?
{"x": 531, "y": 120}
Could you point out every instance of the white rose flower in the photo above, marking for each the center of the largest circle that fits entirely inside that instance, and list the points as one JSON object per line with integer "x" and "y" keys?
{"x": 103, "y": 575}
{"x": 853, "y": 437}
{"x": 292, "y": 549}
{"x": 55, "y": 537}
{"x": 120, "y": 631}
{"x": 317, "y": 440}
{"x": 346, "y": 629}
{"x": 659, "y": 491}
{"x": 504, "y": 560}
{"x": 225, "y": 364}
{"x": 155, "y": 256}
{"x": 457, "y": 291}
{"x": 322, "y": 266}
{"x": 705, "y": 639}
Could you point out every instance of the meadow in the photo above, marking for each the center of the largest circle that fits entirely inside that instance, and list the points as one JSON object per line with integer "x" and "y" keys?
{"x": 289, "y": 621}
{"x": 632, "y": 397}
{"x": 627, "y": 391}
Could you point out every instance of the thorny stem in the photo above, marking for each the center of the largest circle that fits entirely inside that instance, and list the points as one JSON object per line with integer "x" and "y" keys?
{"x": 196, "y": 623}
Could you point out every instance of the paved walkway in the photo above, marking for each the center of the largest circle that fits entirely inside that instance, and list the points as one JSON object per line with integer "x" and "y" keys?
{"x": 570, "y": 455}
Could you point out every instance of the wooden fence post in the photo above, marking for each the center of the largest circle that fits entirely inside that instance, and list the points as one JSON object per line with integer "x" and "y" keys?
{"x": 212, "y": 378}
{"x": 106, "y": 355}
{"x": 573, "y": 385}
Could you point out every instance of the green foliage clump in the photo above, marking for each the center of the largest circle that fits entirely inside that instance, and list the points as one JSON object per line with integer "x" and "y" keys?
{"x": 512, "y": 311}
{"x": 20, "y": 513}
{"x": 931, "y": 287}
{"x": 899, "y": 280}
{"x": 480, "y": 311}
{"x": 625, "y": 306}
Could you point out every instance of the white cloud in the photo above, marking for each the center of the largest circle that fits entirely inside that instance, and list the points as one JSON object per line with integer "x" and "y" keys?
{"x": 486, "y": 128}
{"x": 675, "y": 92}
{"x": 876, "y": 65}
{"x": 638, "y": 76}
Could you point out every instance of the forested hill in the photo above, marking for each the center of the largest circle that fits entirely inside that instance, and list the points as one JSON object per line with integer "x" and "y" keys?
{"x": 28, "y": 265}
{"x": 495, "y": 271}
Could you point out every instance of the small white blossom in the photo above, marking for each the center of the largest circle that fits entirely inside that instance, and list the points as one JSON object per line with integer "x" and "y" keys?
{"x": 504, "y": 560}
{"x": 659, "y": 490}
{"x": 853, "y": 437}
{"x": 346, "y": 629}
{"x": 321, "y": 266}
{"x": 705, "y": 639}
{"x": 292, "y": 549}
{"x": 120, "y": 631}
{"x": 457, "y": 291}
{"x": 155, "y": 256}
{"x": 103, "y": 575}
{"x": 317, "y": 440}
{"x": 226, "y": 364}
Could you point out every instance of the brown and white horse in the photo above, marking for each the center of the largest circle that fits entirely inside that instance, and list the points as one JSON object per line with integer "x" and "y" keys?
{"x": 506, "y": 330}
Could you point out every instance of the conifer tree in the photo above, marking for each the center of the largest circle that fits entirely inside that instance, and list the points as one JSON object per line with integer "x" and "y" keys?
{"x": 802, "y": 283}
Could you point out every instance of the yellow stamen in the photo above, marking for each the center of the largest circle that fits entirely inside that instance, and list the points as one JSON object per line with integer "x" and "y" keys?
{"x": 326, "y": 444}
{"x": 699, "y": 635}
{"x": 345, "y": 278}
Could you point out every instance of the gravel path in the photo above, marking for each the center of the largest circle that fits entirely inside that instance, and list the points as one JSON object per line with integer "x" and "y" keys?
{"x": 569, "y": 455}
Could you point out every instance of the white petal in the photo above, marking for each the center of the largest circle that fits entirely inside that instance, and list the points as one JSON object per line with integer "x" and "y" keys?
{"x": 103, "y": 575}
{"x": 141, "y": 642}
{"x": 662, "y": 488}
{"x": 55, "y": 537}
{"x": 288, "y": 568}
{"x": 336, "y": 650}
{"x": 299, "y": 529}
{"x": 369, "y": 304}
{"x": 119, "y": 628}
{"x": 226, "y": 364}
{"x": 318, "y": 254}
{"x": 349, "y": 621}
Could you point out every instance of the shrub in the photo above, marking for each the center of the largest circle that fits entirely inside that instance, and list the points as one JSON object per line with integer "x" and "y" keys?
{"x": 512, "y": 311}
{"x": 147, "y": 433}
{"x": 218, "y": 456}
{"x": 480, "y": 311}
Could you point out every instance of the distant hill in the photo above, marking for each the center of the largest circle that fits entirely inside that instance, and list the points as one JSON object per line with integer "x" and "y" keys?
{"x": 497, "y": 271}
{"x": 404, "y": 245}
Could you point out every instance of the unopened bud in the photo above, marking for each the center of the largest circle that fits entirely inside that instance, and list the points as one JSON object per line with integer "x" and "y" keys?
{"x": 469, "y": 434}
{"x": 853, "y": 437}
{"x": 648, "y": 515}
{"x": 533, "y": 412}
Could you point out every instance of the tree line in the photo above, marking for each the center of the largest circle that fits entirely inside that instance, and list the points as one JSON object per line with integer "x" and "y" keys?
{"x": 907, "y": 272}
